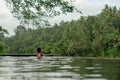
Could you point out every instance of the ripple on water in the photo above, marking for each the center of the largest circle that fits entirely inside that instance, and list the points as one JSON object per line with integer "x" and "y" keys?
{"x": 56, "y": 68}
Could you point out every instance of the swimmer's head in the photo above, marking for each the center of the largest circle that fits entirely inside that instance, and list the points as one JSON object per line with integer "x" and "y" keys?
{"x": 38, "y": 49}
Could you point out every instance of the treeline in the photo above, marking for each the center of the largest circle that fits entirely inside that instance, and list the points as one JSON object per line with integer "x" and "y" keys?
{"x": 96, "y": 36}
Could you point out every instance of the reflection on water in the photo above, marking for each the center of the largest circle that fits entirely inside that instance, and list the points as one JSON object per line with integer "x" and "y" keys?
{"x": 58, "y": 68}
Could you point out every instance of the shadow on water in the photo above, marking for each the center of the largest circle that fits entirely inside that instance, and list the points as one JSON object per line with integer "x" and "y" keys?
{"x": 59, "y": 68}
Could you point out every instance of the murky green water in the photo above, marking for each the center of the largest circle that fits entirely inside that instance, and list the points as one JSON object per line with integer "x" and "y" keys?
{"x": 58, "y": 68}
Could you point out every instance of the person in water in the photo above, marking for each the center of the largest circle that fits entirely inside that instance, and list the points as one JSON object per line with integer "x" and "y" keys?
{"x": 39, "y": 53}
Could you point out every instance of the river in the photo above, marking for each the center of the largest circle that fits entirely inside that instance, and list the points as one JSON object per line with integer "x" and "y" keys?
{"x": 59, "y": 68}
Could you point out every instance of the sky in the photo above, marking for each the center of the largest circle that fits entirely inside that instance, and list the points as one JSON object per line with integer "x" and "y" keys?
{"x": 87, "y": 7}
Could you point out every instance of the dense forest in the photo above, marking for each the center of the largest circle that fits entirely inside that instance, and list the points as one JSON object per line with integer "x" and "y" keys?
{"x": 89, "y": 36}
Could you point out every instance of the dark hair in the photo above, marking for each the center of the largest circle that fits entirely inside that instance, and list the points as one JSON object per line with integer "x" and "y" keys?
{"x": 38, "y": 49}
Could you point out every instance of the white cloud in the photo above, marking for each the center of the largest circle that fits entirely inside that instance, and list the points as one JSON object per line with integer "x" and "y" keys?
{"x": 88, "y": 7}
{"x": 7, "y": 21}
{"x": 85, "y": 6}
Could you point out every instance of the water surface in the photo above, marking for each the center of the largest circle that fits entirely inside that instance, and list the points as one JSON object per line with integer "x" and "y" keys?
{"x": 59, "y": 68}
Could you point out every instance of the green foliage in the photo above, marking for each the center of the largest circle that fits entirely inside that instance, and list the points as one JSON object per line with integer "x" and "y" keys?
{"x": 3, "y": 30}
{"x": 112, "y": 51}
{"x": 1, "y": 47}
{"x": 97, "y": 36}
{"x": 37, "y": 12}
{"x": 2, "y": 37}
